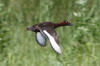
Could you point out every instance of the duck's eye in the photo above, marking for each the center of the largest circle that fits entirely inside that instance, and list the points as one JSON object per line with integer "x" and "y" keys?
{"x": 66, "y": 21}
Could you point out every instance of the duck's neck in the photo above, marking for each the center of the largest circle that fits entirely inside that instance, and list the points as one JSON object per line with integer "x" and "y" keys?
{"x": 64, "y": 23}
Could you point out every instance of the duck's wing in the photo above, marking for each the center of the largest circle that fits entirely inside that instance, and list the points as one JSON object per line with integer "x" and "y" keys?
{"x": 52, "y": 36}
{"x": 40, "y": 39}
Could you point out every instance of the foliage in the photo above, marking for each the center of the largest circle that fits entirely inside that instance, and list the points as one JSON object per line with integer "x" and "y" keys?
{"x": 79, "y": 43}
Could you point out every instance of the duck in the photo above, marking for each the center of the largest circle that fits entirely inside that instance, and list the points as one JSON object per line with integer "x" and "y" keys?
{"x": 46, "y": 31}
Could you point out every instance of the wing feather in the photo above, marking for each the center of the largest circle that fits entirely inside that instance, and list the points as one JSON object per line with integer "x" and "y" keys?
{"x": 52, "y": 36}
{"x": 53, "y": 42}
{"x": 40, "y": 39}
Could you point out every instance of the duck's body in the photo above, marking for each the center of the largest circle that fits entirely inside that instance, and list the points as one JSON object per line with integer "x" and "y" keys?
{"x": 46, "y": 30}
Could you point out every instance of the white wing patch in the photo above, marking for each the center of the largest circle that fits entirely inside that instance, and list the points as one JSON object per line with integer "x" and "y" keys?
{"x": 53, "y": 42}
{"x": 40, "y": 39}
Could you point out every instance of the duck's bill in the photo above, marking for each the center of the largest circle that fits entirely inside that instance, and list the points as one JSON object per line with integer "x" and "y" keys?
{"x": 69, "y": 24}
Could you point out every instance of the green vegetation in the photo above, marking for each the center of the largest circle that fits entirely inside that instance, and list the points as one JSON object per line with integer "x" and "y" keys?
{"x": 80, "y": 43}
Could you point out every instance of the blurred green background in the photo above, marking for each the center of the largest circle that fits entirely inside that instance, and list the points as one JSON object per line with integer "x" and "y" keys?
{"x": 80, "y": 43}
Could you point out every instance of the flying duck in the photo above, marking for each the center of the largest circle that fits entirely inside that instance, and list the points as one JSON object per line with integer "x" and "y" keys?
{"x": 46, "y": 30}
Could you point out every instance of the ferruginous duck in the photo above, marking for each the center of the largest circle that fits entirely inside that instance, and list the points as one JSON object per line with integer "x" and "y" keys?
{"x": 46, "y": 30}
